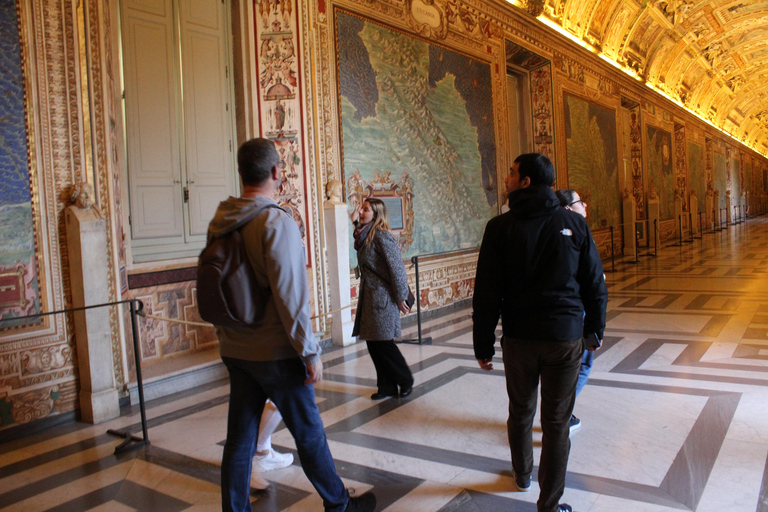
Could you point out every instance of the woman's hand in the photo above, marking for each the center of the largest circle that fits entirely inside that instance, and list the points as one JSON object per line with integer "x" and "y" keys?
{"x": 354, "y": 216}
{"x": 403, "y": 306}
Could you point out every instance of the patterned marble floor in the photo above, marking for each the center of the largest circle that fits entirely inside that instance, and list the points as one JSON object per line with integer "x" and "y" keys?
{"x": 674, "y": 416}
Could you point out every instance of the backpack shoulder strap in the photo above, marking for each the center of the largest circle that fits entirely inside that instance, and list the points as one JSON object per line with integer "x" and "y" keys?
{"x": 243, "y": 221}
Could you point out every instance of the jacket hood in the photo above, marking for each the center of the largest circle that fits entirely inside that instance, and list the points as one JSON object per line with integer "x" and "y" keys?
{"x": 235, "y": 212}
{"x": 533, "y": 201}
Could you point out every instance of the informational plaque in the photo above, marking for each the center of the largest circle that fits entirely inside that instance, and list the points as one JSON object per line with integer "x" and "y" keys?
{"x": 394, "y": 211}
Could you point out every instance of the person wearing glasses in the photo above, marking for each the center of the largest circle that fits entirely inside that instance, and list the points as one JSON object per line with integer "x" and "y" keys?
{"x": 570, "y": 200}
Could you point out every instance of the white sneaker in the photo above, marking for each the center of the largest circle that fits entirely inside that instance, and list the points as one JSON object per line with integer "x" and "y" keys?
{"x": 272, "y": 461}
{"x": 258, "y": 483}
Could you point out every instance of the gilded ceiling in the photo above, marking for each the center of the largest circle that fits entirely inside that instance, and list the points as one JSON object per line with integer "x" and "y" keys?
{"x": 711, "y": 56}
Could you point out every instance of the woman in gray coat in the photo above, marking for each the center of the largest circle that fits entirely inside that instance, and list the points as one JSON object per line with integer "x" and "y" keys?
{"x": 383, "y": 293}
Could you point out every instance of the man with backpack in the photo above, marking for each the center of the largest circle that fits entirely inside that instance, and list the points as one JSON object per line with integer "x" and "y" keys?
{"x": 276, "y": 356}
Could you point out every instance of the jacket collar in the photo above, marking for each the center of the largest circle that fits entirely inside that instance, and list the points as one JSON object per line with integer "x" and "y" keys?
{"x": 533, "y": 201}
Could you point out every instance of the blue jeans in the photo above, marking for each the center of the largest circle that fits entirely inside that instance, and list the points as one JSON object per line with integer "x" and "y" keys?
{"x": 586, "y": 366}
{"x": 251, "y": 383}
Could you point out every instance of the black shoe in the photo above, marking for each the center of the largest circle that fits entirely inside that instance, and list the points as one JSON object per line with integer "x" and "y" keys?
{"x": 564, "y": 508}
{"x": 523, "y": 484}
{"x": 574, "y": 423}
{"x": 406, "y": 391}
{"x": 380, "y": 396}
{"x": 363, "y": 503}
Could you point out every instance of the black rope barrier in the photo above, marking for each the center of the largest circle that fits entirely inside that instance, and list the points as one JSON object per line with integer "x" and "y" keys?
{"x": 136, "y": 308}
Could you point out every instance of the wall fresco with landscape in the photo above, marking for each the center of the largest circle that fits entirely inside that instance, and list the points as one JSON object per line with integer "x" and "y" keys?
{"x": 592, "y": 156}
{"x": 19, "y": 293}
{"x": 697, "y": 175}
{"x": 719, "y": 178}
{"x": 418, "y": 116}
{"x": 748, "y": 184}
{"x": 661, "y": 175}
{"x": 735, "y": 179}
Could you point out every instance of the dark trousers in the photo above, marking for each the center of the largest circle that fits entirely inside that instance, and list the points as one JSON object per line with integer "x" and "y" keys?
{"x": 557, "y": 365}
{"x": 391, "y": 368}
{"x": 251, "y": 383}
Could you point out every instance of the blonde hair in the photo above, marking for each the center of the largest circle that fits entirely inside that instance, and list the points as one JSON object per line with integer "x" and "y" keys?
{"x": 380, "y": 220}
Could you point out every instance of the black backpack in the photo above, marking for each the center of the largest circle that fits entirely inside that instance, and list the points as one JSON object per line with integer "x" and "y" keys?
{"x": 228, "y": 293}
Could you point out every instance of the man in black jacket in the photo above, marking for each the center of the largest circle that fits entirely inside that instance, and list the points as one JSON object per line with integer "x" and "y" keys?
{"x": 539, "y": 270}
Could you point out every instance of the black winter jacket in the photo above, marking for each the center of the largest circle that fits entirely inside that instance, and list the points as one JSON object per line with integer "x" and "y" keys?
{"x": 540, "y": 270}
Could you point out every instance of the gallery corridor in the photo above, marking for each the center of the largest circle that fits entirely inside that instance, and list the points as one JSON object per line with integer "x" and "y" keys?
{"x": 674, "y": 416}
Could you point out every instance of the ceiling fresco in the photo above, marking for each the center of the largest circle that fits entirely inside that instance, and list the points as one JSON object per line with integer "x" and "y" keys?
{"x": 710, "y": 56}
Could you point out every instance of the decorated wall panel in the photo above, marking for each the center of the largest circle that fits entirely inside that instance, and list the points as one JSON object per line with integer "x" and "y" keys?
{"x": 697, "y": 173}
{"x": 592, "y": 157}
{"x": 43, "y": 155}
{"x": 748, "y": 184}
{"x": 281, "y": 106}
{"x": 160, "y": 339}
{"x": 541, "y": 100}
{"x": 720, "y": 177}
{"x": 736, "y": 177}
{"x": 19, "y": 218}
{"x": 661, "y": 173}
{"x": 636, "y": 159}
{"x": 681, "y": 169}
{"x": 417, "y": 126}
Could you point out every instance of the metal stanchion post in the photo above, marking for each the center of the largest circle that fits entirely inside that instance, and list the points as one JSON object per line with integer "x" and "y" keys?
{"x": 421, "y": 340}
{"x": 690, "y": 227}
{"x": 655, "y": 237}
{"x": 701, "y": 228}
{"x": 138, "y": 442}
{"x": 613, "y": 253}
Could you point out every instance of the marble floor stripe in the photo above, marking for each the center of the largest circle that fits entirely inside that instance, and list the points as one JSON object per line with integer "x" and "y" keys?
{"x": 58, "y": 480}
{"x": 690, "y": 471}
{"x": 132, "y": 495}
{"x": 691, "y": 357}
{"x": 38, "y": 460}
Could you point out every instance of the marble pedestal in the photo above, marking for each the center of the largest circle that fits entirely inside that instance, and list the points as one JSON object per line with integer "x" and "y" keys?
{"x": 337, "y": 251}
{"x": 87, "y": 249}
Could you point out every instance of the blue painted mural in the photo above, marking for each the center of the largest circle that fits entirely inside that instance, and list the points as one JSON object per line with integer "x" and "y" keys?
{"x": 18, "y": 268}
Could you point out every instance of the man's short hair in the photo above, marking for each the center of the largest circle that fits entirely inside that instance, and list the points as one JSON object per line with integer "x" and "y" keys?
{"x": 537, "y": 167}
{"x": 255, "y": 160}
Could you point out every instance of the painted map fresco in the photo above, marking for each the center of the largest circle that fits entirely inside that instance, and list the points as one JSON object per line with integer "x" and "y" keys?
{"x": 408, "y": 107}
{"x": 592, "y": 156}
{"x": 661, "y": 173}
{"x": 18, "y": 268}
{"x": 748, "y": 184}
{"x": 719, "y": 178}
{"x": 735, "y": 179}
{"x": 697, "y": 174}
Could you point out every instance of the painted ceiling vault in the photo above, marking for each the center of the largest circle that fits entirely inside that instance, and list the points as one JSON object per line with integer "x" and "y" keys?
{"x": 710, "y": 56}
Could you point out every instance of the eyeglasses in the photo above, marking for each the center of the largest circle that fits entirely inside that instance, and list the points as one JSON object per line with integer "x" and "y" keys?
{"x": 577, "y": 201}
